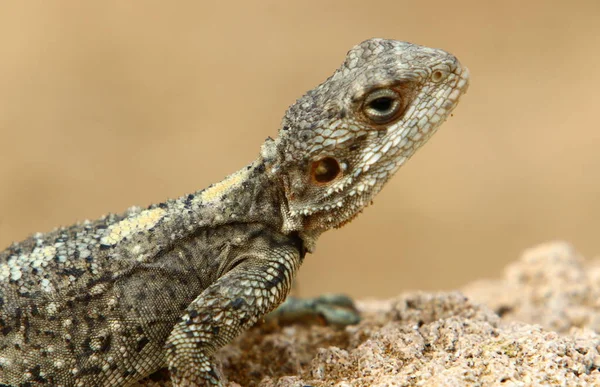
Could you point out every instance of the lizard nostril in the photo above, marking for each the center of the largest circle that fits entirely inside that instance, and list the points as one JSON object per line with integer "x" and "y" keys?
{"x": 325, "y": 170}
{"x": 437, "y": 76}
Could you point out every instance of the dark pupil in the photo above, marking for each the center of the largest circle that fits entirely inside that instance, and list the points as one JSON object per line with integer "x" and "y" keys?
{"x": 382, "y": 104}
{"x": 326, "y": 170}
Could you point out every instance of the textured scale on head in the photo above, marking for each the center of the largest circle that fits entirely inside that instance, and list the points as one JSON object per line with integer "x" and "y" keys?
{"x": 342, "y": 141}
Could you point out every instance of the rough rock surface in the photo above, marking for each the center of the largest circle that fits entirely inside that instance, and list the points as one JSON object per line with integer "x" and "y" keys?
{"x": 551, "y": 285}
{"x": 549, "y": 303}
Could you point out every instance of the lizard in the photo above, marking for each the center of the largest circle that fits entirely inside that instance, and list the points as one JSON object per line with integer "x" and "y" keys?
{"x": 110, "y": 301}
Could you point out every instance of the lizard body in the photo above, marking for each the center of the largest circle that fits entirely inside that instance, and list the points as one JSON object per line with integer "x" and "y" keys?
{"x": 108, "y": 302}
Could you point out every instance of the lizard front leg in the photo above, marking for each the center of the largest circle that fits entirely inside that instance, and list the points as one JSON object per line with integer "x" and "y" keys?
{"x": 256, "y": 285}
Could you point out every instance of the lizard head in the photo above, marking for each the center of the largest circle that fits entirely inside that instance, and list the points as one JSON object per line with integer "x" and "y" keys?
{"x": 342, "y": 141}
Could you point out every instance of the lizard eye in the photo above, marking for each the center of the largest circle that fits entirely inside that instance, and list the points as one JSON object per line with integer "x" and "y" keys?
{"x": 325, "y": 170}
{"x": 382, "y": 105}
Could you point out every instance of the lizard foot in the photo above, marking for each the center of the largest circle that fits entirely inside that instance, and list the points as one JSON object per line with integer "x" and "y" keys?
{"x": 330, "y": 309}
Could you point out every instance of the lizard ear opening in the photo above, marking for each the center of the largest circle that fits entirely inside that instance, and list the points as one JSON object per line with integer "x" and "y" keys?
{"x": 325, "y": 170}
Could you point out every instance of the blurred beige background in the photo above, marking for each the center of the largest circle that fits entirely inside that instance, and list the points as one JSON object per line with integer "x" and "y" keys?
{"x": 107, "y": 104}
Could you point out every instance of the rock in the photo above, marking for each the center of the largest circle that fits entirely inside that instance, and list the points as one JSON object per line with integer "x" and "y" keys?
{"x": 550, "y": 285}
{"x": 535, "y": 326}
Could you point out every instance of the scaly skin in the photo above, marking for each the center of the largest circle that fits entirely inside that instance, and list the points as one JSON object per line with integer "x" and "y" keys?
{"x": 108, "y": 302}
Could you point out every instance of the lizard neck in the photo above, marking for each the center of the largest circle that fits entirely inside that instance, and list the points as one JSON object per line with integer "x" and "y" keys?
{"x": 246, "y": 196}
{"x": 254, "y": 194}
